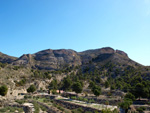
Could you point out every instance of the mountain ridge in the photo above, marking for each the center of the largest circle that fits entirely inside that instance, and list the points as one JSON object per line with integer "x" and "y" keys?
{"x": 58, "y": 59}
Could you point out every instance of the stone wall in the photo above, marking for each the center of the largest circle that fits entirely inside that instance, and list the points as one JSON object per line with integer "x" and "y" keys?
{"x": 50, "y": 109}
{"x": 26, "y": 109}
{"x": 111, "y": 102}
{"x": 75, "y": 106}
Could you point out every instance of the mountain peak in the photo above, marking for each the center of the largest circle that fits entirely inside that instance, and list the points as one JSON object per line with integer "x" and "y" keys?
{"x": 58, "y": 59}
{"x": 121, "y": 53}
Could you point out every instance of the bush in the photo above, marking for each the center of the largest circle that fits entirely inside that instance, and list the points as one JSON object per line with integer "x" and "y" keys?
{"x": 125, "y": 105}
{"x": 73, "y": 97}
{"x": 106, "y": 102}
{"x": 96, "y": 112}
{"x": 31, "y": 89}
{"x": 43, "y": 108}
{"x": 141, "y": 109}
{"x": 54, "y": 91}
{"x": 78, "y": 110}
{"x": 109, "y": 111}
{"x": 91, "y": 101}
{"x": 36, "y": 107}
{"x": 3, "y": 65}
{"x": 20, "y": 101}
{"x": 106, "y": 111}
{"x": 60, "y": 108}
{"x": 130, "y": 96}
{"x": 3, "y": 90}
{"x": 112, "y": 87}
{"x": 21, "y": 83}
{"x": 11, "y": 109}
{"x": 67, "y": 111}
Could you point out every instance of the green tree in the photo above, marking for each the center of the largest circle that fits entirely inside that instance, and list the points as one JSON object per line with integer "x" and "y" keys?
{"x": 106, "y": 84}
{"x": 106, "y": 111}
{"x": 31, "y": 89}
{"x": 109, "y": 111}
{"x": 141, "y": 109}
{"x": 145, "y": 92}
{"x": 125, "y": 105}
{"x": 53, "y": 85}
{"x": 91, "y": 84}
{"x": 96, "y": 90}
{"x": 112, "y": 87}
{"x": 130, "y": 96}
{"x": 3, "y": 90}
{"x": 77, "y": 87}
{"x": 138, "y": 91}
{"x": 67, "y": 84}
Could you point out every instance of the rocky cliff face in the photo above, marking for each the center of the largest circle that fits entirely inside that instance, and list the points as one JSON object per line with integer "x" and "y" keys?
{"x": 58, "y": 59}
{"x": 50, "y": 59}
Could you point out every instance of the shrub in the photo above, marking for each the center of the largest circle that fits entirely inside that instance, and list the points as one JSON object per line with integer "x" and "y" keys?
{"x": 61, "y": 108}
{"x": 141, "y": 109}
{"x": 11, "y": 109}
{"x": 54, "y": 91}
{"x": 3, "y": 90}
{"x": 125, "y": 105}
{"x": 106, "y": 111}
{"x": 43, "y": 108}
{"x": 36, "y": 107}
{"x": 91, "y": 101}
{"x": 20, "y": 101}
{"x": 31, "y": 89}
{"x": 21, "y": 83}
{"x": 130, "y": 96}
{"x": 78, "y": 110}
{"x": 73, "y": 97}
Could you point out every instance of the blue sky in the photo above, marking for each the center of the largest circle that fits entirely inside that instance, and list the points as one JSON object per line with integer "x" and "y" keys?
{"x": 28, "y": 26}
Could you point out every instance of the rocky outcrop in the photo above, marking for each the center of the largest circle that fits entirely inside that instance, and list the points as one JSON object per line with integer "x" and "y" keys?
{"x": 50, "y": 59}
{"x": 15, "y": 94}
{"x": 89, "y": 55}
{"x": 56, "y": 59}
{"x": 121, "y": 53}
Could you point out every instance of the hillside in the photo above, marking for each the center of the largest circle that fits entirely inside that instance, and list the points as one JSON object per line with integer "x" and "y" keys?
{"x": 98, "y": 65}
{"x": 6, "y": 59}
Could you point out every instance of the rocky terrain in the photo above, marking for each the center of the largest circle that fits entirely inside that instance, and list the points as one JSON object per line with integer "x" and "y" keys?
{"x": 58, "y": 59}
{"x": 41, "y": 67}
{"x": 6, "y": 59}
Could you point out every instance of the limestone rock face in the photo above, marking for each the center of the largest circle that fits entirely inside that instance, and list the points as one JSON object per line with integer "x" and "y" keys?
{"x": 56, "y": 59}
{"x": 50, "y": 59}
{"x": 15, "y": 94}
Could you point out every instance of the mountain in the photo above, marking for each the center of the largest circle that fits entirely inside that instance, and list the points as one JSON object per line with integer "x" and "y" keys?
{"x": 6, "y": 59}
{"x": 104, "y": 55}
{"x": 97, "y": 65}
{"x": 58, "y": 59}
{"x": 50, "y": 59}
